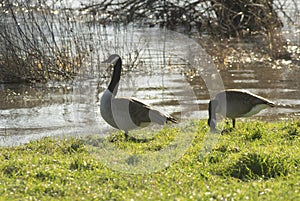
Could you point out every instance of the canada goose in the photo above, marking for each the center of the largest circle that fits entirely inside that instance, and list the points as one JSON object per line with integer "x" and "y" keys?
{"x": 127, "y": 113}
{"x": 235, "y": 103}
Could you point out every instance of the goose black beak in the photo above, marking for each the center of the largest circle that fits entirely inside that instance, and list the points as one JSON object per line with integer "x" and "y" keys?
{"x": 112, "y": 60}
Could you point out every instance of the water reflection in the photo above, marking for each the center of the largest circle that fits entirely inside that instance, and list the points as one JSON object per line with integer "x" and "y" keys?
{"x": 30, "y": 112}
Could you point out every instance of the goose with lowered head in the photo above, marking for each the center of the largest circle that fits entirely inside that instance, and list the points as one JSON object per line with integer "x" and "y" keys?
{"x": 234, "y": 103}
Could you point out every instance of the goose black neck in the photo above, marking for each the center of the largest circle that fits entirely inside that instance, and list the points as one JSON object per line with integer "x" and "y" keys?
{"x": 211, "y": 111}
{"x": 116, "y": 76}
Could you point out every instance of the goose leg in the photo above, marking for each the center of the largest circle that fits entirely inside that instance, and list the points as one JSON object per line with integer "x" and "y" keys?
{"x": 126, "y": 134}
{"x": 133, "y": 139}
{"x": 233, "y": 123}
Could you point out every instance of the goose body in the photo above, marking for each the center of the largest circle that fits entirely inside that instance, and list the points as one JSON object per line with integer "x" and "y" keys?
{"x": 127, "y": 113}
{"x": 235, "y": 103}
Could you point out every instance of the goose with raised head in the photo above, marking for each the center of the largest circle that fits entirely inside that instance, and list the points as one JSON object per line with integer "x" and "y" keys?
{"x": 127, "y": 113}
{"x": 235, "y": 103}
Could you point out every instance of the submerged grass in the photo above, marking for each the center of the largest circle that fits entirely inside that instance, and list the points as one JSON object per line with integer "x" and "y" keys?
{"x": 255, "y": 161}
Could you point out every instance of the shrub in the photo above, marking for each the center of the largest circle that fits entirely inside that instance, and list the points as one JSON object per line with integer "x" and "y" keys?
{"x": 256, "y": 166}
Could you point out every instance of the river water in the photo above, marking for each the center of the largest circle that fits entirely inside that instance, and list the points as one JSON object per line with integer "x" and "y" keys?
{"x": 172, "y": 72}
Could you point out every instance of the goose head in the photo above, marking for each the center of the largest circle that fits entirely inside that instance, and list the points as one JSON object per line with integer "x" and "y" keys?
{"x": 115, "y": 61}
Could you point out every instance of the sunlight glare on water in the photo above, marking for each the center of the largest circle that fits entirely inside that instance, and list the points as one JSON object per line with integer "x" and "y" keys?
{"x": 31, "y": 112}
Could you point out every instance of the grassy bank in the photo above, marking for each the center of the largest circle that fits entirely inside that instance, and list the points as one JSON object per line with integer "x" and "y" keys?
{"x": 256, "y": 161}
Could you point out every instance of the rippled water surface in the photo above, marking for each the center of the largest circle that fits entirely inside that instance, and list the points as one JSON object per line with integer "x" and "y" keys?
{"x": 161, "y": 77}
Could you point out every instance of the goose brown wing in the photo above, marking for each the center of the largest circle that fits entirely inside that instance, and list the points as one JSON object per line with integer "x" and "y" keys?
{"x": 144, "y": 113}
{"x": 252, "y": 99}
{"x": 240, "y": 103}
{"x": 139, "y": 112}
{"x": 150, "y": 114}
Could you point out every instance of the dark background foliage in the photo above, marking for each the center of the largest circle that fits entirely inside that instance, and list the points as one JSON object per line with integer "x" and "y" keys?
{"x": 39, "y": 41}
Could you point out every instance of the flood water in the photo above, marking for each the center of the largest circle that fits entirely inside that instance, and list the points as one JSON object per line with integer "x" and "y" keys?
{"x": 165, "y": 76}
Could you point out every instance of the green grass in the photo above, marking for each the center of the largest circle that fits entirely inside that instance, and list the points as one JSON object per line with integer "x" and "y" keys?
{"x": 255, "y": 161}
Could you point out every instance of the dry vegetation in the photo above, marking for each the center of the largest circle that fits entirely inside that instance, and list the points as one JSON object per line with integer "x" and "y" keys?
{"x": 42, "y": 41}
